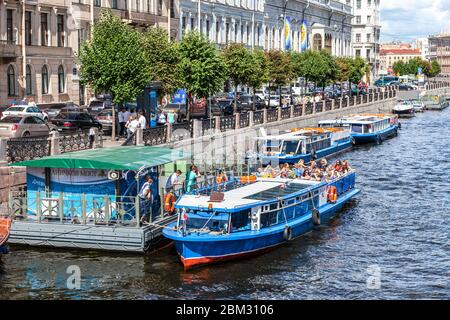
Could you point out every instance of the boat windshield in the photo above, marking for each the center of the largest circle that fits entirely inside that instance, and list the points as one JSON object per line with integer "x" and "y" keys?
{"x": 207, "y": 221}
{"x": 289, "y": 147}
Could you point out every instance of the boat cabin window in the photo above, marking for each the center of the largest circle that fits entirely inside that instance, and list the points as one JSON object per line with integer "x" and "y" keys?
{"x": 241, "y": 221}
{"x": 318, "y": 145}
{"x": 289, "y": 147}
{"x": 207, "y": 220}
{"x": 271, "y": 146}
{"x": 360, "y": 128}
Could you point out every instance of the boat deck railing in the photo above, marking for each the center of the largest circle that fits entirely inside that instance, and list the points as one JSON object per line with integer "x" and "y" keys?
{"x": 87, "y": 209}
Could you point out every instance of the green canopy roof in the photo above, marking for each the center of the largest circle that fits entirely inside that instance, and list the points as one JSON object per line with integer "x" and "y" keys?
{"x": 118, "y": 158}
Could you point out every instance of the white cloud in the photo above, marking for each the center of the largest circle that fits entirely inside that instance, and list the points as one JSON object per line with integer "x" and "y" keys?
{"x": 409, "y": 19}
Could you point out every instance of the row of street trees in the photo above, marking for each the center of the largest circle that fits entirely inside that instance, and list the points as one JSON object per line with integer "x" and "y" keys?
{"x": 121, "y": 61}
{"x": 411, "y": 67}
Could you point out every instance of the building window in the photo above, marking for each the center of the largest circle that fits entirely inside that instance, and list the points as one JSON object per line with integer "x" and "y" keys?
{"x": 61, "y": 80}
{"x": 28, "y": 28}
{"x": 61, "y": 37}
{"x": 217, "y": 31}
{"x": 172, "y": 8}
{"x": 29, "y": 82}
{"x": 183, "y": 25}
{"x": 9, "y": 26}
{"x": 160, "y": 7}
{"x": 358, "y": 53}
{"x": 11, "y": 73}
{"x": 44, "y": 80}
{"x": 44, "y": 29}
{"x": 114, "y": 4}
{"x": 358, "y": 38}
{"x": 207, "y": 29}
{"x": 358, "y": 4}
{"x": 98, "y": 3}
{"x": 317, "y": 42}
{"x": 358, "y": 19}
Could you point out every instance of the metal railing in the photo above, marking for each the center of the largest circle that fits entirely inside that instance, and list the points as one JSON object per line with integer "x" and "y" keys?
{"x": 244, "y": 120}
{"x": 272, "y": 115}
{"x": 227, "y": 123}
{"x": 27, "y": 148}
{"x": 258, "y": 117}
{"x": 155, "y": 136}
{"x": 285, "y": 113}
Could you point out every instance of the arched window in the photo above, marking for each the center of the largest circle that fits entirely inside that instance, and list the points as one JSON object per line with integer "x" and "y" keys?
{"x": 44, "y": 80}
{"x": 11, "y": 73}
{"x": 317, "y": 41}
{"x": 61, "y": 80}
{"x": 29, "y": 82}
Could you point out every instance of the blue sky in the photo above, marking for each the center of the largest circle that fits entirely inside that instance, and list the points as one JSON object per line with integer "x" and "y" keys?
{"x": 406, "y": 20}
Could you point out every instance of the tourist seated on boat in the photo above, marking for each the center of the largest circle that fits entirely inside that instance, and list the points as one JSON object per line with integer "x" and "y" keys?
{"x": 298, "y": 170}
{"x": 285, "y": 171}
{"x": 312, "y": 165}
{"x": 338, "y": 166}
{"x": 306, "y": 175}
{"x": 346, "y": 167}
{"x": 301, "y": 164}
{"x": 259, "y": 173}
{"x": 317, "y": 175}
{"x": 322, "y": 165}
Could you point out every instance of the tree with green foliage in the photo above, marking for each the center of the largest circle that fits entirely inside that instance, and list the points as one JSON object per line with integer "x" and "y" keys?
{"x": 113, "y": 60}
{"x": 343, "y": 65}
{"x": 357, "y": 70}
{"x": 201, "y": 69}
{"x": 238, "y": 60}
{"x": 163, "y": 56}
{"x": 435, "y": 68}
{"x": 259, "y": 74}
{"x": 280, "y": 68}
{"x": 331, "y": 73}
{"x": 399, "y": 67}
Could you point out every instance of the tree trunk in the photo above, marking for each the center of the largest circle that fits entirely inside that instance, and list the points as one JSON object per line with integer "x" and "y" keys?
{"x": 235, "y": 99}
{"x": 281, "y": 102}
{"x": 113, "y": 126}
{"x": 254, "y": 99}
{"x": 188, "y": 106}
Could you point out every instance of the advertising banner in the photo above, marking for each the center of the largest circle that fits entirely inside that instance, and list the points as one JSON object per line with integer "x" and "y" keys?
{"x": 304, "y": 36}
{"x": 287, "y": 33}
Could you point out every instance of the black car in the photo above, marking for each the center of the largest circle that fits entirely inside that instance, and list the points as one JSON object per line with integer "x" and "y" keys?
{"x": 222, "y": 107}
{"x": 72, "y": 121}
{"x": 53, "y": 109}
{"x": 245, "y": 103}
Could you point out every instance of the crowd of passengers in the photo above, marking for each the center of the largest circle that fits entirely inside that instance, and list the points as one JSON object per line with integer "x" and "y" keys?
{"x": 315, "y": 171}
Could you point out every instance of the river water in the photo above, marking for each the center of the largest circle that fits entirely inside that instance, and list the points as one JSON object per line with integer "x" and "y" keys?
{"x": 391, "y": 242}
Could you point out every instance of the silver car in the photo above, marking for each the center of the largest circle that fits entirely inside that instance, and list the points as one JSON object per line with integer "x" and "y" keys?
{"x": 16, "y": 127}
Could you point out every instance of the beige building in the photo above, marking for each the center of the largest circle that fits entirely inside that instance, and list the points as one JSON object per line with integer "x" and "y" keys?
{"x": 439, "y": 47}
{"x": 40, "y": 39}
{"x": 390, "y": 54}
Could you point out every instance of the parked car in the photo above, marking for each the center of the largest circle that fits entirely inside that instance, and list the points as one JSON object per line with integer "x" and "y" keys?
{"x": 53, "y": 109}
{"x": 403, "y": 86}
{"x": 72, "y": 121}
{"x": 245, "y": 103}
{"x": 97, "y": 105}
{"x": 105, "y": 117}
{"x": 25, "y": 110}
{"x": 274, "y": 101}
{"x": 222, "y": 107}
{"x": 26, "y": 126}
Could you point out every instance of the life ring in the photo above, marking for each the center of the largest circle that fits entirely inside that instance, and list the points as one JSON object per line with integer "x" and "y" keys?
{"x": 332, "y": 194}
{"x": 316, "y": 217}
{"x": 170, "y": 202}
{"x": 287, "y": 233}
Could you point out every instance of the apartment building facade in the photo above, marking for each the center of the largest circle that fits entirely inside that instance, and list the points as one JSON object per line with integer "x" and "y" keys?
{"x": 39, "y": 41}
{"x": 366, "y": 33}
{"x": 439, "y": 46}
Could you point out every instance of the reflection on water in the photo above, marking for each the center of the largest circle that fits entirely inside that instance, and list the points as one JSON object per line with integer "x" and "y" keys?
{"x": 399, "y": 223}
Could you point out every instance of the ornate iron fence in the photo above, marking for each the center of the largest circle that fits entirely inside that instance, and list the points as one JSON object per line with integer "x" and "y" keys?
{"x": 258, "y": 117}
{"x": 227, "y": 123}
{"x": 272, "y": 115}
{"x": 298, "y": 110}
{"x": 309, "y": 108}
{"x": 285, "y": 113}
{"x": 328, "y": 104}
{"x": 244, "y": 120}
{"x": 77, "y": 141}
{"x": 366, "y": 98}
{"x": 351, "y": 101}
{"x": 155, "y": 136}
{"x": 344, "y": 103}
{"x": 375, "y": 96}
{"x": 208, "y": 126}
{"x": 181, "y": 131}
{"x": 319, "y": 106}
{"x": 27, "y": 148}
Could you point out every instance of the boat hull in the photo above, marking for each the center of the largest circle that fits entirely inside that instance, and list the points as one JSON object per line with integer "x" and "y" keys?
{"x": 378, "y": 137}
{"x": 5, "y": 227}
{"x": 324, "y": 153}
{"x": 405, "y": 113}
{"x": 197, "y": 253}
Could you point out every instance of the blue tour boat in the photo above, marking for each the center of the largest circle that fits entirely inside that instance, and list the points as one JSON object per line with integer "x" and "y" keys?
{"x": 302, "y": 144}
{"x": 249, "y": 216}
{"x": 365, "y": 128}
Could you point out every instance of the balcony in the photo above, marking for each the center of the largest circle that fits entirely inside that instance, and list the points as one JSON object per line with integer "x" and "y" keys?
{"x": 9, "y": 50}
